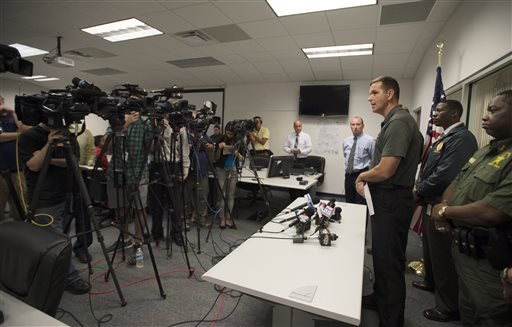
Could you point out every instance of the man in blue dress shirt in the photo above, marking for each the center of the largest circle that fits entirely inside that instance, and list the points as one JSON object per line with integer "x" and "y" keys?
{"x": 357, "y": 158}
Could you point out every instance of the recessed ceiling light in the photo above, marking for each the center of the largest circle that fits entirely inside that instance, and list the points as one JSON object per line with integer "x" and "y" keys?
{"x": 47, "y": 79}
{"x": 26, "y": 51}
{"x": 33, "y": 77}
{"x": 294, "y": 7}
{"x": 339, "y": 51}
{"x": 122, "y": 30}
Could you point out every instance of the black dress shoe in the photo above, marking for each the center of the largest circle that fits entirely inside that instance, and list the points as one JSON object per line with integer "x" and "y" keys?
{"x": 84, "y": 257}
{"x": 369, "y": 302}
{"x": 77, "y": 287}
{"x": 422, "y": 285}
{"x": 441, "y": 316}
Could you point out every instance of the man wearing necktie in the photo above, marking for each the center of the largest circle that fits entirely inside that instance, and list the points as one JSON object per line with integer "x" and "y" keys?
{"x": 299, "y": 145}
{"x": 445, "y": 159}
{"x": 358, "y": 153}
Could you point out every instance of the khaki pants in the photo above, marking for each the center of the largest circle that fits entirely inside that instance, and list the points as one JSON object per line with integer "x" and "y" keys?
{"x": 4, "y": 196}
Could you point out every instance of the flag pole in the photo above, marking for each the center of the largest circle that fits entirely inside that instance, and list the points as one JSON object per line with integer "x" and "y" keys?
{"x": 440, "y": 45}
{"x": 417, "y": 266}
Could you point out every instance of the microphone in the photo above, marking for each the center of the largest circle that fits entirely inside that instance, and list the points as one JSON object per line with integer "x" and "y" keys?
{"x": 310, "y": 202}
{"x": 326, "y": 213}
{"x": 309, "y": 212}
{"x": 88, "y": 93}
{"x": 337, "y": 214}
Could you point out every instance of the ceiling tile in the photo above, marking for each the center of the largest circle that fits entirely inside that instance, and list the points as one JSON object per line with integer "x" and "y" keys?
{"x": 390, "y": 60}
{"x": 277, "y": 43}
{"x": 305, "y": 24}
{"x": 204, "y": 15}
{"x": 268, "y": 67}
{"x": 355, "y": 63}
{"x": 167, "y": 22}
{"x": 258, "y": 57}
{"x": 351, "y": 18}
{"x": 394, "y": 47}
{"x": 432, "y": 30}
{"x": 358, "y": 74}
{"x": 137, "y": 7}
{"x": 415, "y": 59}
{"x": 288, "y": 54}
{"x": 314, "y": 40}
{"x": 215, "y": 49}
{"x": 231, "y": 59}
{"x": 442, "y": 10}
{"x": 400, "y": 32}
{"x": 243, "y": 47}
{"x": 245, "y": 11}
{"x": 355, "y": 36}
{"x": 265, "y": 28}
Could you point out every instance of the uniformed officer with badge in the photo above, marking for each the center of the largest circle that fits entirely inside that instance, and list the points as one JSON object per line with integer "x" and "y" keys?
{"x": 478, "y": 206}
{"x": 445, "y": 159}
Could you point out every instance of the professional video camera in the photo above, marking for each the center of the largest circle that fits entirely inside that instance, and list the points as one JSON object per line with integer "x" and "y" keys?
{"x": 242, "y": 126}
{"x": 204, "y": 117}
{"x": 11, "y": 61}
{"x": 63, "y": 107}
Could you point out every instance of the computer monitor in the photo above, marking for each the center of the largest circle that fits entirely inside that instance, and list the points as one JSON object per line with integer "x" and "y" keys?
{"x": 280, "y": 166}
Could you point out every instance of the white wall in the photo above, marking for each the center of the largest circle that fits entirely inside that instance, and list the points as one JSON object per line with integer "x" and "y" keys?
{"x": 10, "y": 88}
{"x": 278, "y": 105}
{"x": 478, "y": 33}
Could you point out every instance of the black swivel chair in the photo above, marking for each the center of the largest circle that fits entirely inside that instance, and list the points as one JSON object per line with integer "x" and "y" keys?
{"x": 34, "y": 264}
{"x": 318, "y": 164}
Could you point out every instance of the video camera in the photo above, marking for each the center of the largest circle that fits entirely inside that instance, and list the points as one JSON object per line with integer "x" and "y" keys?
{"x": 204, "y": 117}
{"x": 242, "y": 126}
{"x": 11, "y": 61}
{"x": 63, "y": 107}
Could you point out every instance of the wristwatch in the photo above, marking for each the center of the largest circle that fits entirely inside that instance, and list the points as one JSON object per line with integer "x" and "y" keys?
{"x": 504, "y": 276}
{"x": 442, "y": 211}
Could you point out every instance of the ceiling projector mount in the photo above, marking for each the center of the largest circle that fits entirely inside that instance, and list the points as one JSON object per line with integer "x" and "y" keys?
{"x": 56, "y": 59}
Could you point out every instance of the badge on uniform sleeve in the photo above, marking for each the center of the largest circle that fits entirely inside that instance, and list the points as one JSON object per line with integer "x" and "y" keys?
{"x": 439, "y": 147}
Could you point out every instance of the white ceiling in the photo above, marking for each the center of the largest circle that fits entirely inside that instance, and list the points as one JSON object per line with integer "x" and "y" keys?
{"x": 273, "y": 54}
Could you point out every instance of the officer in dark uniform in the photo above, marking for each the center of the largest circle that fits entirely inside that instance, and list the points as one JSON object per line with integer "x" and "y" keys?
{"x": 478, "y": 206}
{"x": 445, "y": 159}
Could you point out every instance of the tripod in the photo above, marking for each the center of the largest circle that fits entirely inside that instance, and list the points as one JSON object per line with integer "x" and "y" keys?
{"x": 123, "y": 183}
{"x": 12, "y": 190}
{"x": 165, "y": 186}
{"x": 64, "y": 144}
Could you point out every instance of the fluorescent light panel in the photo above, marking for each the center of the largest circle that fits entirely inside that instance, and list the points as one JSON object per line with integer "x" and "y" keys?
{"x": 47, "y": 79}
{"x": 122, "y": 30}
{"x": 33, "y": 77}
{"x": 339, "y": 51}
{"x": 294, "y": 7}
{"x": 26, "y": 51}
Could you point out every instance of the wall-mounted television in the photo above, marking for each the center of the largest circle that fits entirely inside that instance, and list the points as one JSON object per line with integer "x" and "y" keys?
{"x": 324, "y": 100}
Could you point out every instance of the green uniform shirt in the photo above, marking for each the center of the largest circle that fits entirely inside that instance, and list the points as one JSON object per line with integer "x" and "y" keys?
{"x": 487, "y": 176}
{"x": 399, "y": 137}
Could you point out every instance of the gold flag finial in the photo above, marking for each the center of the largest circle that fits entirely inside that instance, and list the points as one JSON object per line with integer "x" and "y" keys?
{"x": 440, "y": 45}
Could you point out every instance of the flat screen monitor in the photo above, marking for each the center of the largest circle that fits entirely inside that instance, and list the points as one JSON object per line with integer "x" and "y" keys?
{"x": 324, "y": 100}
{"x": 280, "y": 166}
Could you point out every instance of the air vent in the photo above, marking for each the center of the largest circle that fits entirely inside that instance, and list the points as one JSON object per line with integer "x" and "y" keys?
{"x": 195, "y": 62}
{"x": 104, "y": 71}
{"x": 195, "y": 37}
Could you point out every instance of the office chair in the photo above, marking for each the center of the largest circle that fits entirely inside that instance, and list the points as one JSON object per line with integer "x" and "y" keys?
{"x": 318, "y": 164}
{"x": 34, "y": 264}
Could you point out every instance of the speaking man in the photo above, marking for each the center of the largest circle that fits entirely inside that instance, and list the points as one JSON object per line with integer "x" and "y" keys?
{"x": 391, "y": 177}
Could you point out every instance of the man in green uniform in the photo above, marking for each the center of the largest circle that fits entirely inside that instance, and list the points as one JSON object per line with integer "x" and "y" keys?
{"x": 478, "y": 206}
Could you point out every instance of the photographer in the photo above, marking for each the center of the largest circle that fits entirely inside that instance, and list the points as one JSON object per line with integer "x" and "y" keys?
{"x": 168, "y": 158}
{"x": 227, "y": 156}
{"x": 33, "y": 148}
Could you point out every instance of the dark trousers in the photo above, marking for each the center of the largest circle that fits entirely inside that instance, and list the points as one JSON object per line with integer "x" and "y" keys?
{"x": 439, "y": 266}
{"x": 159, "y": 198}
{"x": 351, "y": 195}
{"x": 390, "y": 226}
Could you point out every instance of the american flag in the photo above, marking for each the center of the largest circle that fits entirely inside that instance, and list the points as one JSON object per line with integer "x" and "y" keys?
{"x": 433, "y": 132}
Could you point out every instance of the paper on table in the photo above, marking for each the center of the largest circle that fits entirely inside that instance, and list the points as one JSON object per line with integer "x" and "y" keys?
{"x": 369, "y": 201}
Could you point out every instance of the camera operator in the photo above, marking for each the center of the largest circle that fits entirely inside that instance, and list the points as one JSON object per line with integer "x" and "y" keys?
{"x": 228, "y": 154}
{"x": 135, "y": 176}
{"x": 260, "y": 139}
{"x": 33, "y": 147}
{"x": 9, "y": 127}
{"x": 216, "y": 137}
{"x": 158, "y": 196}
{"x": 197, "y": 187}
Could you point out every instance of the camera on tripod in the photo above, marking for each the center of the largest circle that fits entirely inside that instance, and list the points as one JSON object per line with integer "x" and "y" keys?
{"x": 242, "y": 126}
{"x": 62, "y": 107}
